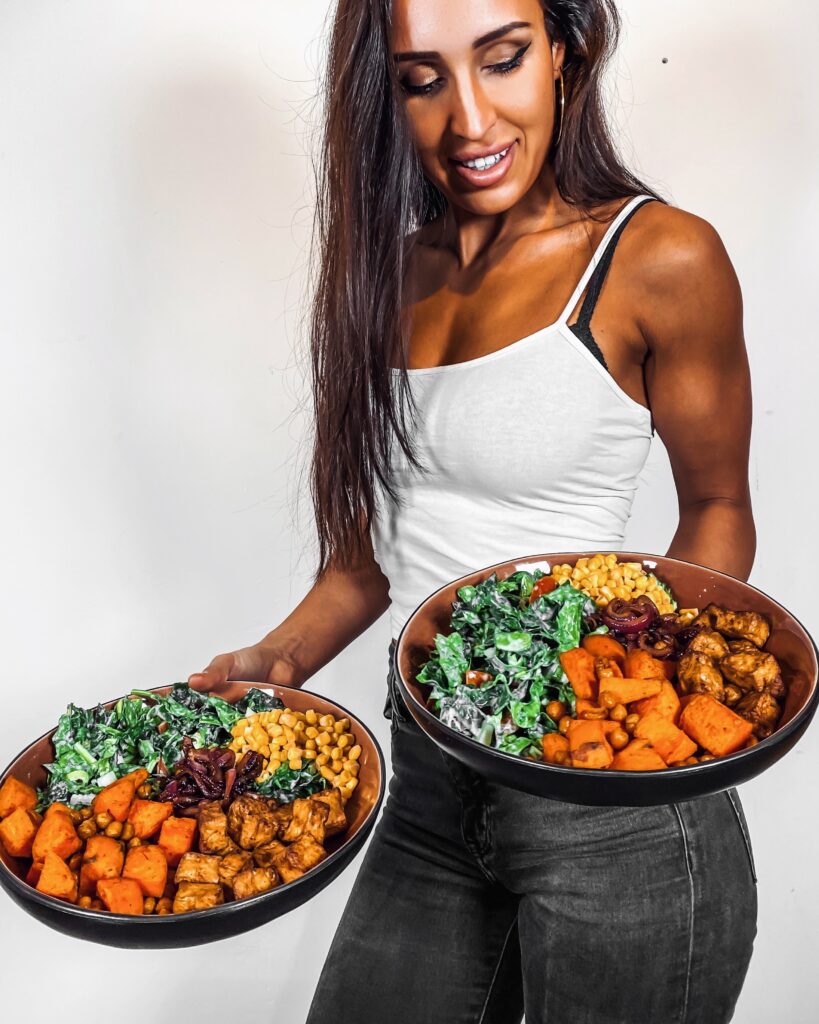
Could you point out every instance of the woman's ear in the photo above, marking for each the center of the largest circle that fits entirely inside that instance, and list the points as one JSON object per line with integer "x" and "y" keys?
{"x": 558, "y": 55}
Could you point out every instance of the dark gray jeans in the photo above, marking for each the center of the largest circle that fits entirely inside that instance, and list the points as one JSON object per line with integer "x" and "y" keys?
{"x": 475, "y": 903}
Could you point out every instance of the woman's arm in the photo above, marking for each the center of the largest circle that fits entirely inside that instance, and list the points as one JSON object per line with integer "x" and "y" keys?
{"x": 331, "y": 615}
{"x": 699, "y": 388}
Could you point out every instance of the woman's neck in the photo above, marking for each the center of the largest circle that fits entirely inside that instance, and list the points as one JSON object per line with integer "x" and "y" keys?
{"x": 470, "y": 236}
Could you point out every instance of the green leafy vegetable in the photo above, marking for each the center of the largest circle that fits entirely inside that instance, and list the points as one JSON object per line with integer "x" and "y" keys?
{"x": 496, "y": 630}
{"x": 286, "y": 784}
{"x": 93, "y": 747}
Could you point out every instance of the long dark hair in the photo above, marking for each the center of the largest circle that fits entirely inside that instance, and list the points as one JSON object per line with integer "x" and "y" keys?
{"x": 371, "y": 195}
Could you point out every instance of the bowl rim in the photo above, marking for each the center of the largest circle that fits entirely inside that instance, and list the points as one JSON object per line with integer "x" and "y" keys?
{"x": 662, "y": 774}
{"x": 29, "y": 892}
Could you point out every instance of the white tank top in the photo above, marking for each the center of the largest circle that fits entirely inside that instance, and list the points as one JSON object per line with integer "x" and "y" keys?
{"x": 528, "y": 449}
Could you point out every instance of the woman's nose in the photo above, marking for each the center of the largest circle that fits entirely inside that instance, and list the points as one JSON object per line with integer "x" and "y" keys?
{"x": 472, "y": 113}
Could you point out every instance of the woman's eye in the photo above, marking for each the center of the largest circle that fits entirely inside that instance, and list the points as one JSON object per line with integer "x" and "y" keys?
{"x": 501, "y": 68}
{"x": 505, "y": 66}
{"x": 419, "y": 90}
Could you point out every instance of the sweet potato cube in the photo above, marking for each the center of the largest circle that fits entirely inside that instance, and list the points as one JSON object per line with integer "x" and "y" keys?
{"x": 17, "y": 831}
{"x": 588, "y": 744}
{"x": 138, "y": 776}
{"x": 626, "y": 690}
{"x": 638, "y": 756}
{"x": 671, "y": 743}
{"x": 714, "y": 726}
{"x": 57, "y": 879}
{"x": 666, "y": 702}
{"x": 56, "y": 835}
{"x": 641, "y": 665}
{"x": 176, "y": 838}
{"x": 103, "y": 858}
{"x": 147, "y": 866}
{"x": 554, "y": 744}
{"x": 15, "y": 794}
{"x": 56, "y": 808}
{"x": 147, "y": 816}
{"x": 116, "y": 799}
{"x": 34, "y": 872}
{"x": 121, "y": 895}
{"x": 603, "y": 645}
{"x": 578, "y": 664}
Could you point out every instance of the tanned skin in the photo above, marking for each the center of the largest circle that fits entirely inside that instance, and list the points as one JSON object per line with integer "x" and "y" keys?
{"x": 503, "y": 263}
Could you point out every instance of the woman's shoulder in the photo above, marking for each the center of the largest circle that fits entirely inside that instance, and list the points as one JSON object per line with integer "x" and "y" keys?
{"x": 679, "y": 270}
{"x": 667, "y": 241}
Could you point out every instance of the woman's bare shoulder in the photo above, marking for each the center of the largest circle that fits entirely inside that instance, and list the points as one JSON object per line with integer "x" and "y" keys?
{"x": 670, "y": 240}
{"x": 680, "y": 271}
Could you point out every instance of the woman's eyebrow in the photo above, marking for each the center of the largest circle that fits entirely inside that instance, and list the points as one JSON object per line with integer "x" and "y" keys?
{"x": 488, "y": 37}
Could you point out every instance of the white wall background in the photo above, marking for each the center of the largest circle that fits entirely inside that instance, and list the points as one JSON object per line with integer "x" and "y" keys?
{"x": 154, "y": 216}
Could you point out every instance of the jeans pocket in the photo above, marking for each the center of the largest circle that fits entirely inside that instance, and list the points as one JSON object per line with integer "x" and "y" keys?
{"x": 736, "y": 806}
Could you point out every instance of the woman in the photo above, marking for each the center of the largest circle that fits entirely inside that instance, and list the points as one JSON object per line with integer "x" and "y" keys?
{"x": 470, "y": 195}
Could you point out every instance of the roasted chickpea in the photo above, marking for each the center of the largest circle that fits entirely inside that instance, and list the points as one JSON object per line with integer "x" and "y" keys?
{"x": 706, "y": 757}
{"x": 619, "y": 713}
{"x": 144, "y": 791}
{"x": 135, "y": 841}
{"x": 86, "y": 813}
{"x": 75, "y": 862}
{"x": 608, "y": 700}
{"x": 97, "y": 905}
{"x": 85, "y": 902}
{"x": 113, "y": 829}
{"x": 556, "y": 709}
{"x": 630, "y": 722}
{"x": 164, "y": 905}
{"x": 563, "y": 724}
{"x": 149, "y": 905}
{"x": 127, "y": 831}
{"x": 87, "y": 828}
{"x": 104, "y": 819}
{"x": 618, "y": 739}
{"x": 76, "y": 815}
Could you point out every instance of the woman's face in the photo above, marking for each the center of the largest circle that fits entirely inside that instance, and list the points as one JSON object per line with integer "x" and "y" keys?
{"x": 478, "y": 79}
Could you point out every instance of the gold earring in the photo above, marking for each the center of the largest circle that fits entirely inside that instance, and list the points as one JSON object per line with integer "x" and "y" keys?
{"x": 562, "y": 107}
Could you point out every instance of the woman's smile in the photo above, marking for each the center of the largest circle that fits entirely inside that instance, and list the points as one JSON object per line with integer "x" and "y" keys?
{"x": 486, "y": 171}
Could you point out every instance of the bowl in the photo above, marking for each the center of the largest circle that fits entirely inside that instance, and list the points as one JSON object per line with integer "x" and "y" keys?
{"x": 693, "y": 586}
{"x": 197, "y": 927}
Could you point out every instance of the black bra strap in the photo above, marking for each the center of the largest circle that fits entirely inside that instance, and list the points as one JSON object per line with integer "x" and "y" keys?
{"x": 600, "y": 271}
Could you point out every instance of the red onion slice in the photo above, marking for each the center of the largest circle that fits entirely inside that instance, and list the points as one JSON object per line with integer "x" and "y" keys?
{"x": 630, "y": 616}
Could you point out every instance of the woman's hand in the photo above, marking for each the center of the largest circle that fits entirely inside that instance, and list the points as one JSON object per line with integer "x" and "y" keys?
{"x": 261, "y": 663}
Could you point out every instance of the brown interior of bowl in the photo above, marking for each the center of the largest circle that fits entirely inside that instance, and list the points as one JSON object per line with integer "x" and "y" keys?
{"x": 28, "y": 766}
{"x": 693, "y": 586}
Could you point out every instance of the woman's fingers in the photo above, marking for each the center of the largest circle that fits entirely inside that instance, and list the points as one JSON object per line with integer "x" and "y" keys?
{"x": 250, "y": 663}
{"x": 218, "y": 672}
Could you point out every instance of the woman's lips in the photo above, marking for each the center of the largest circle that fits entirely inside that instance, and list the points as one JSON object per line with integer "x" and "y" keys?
{"x": 490, "y": 175}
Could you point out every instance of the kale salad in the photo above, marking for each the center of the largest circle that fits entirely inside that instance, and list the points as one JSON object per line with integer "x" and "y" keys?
{"x": 94, "y": 747}
{"x": 492, "y": 677}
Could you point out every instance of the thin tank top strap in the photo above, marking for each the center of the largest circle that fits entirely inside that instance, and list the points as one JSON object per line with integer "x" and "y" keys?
{"x": 601, "y": 258}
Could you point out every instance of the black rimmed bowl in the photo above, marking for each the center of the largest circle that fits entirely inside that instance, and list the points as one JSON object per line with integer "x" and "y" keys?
{"x": 693, "y": 586}
{"x": 197, "y": 927}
